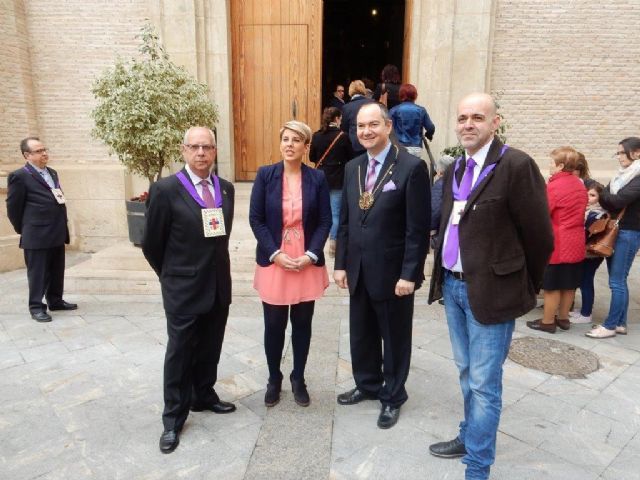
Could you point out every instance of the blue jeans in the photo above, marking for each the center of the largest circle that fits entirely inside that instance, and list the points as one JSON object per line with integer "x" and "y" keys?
{"x": 589, "y": 268}
{"x": 619, "y": 264}
{"x": 479, "y": 352}
{"x": 335, "y": 197}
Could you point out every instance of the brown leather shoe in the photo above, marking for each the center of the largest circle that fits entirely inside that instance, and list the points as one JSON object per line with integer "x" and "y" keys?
{"x": 563, "y": 323}
{"x": 543, "y": 327}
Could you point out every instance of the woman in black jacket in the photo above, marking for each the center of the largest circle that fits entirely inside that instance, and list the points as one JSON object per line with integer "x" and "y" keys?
{"x": 330, "y": 151}
{"x": 622, "y": 192}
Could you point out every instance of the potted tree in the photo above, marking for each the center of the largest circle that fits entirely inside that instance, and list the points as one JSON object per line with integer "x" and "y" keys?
{"x": 143, "y": 108}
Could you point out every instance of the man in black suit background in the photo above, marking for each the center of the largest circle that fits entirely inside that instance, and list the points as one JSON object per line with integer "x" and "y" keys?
{"x": 36, "y": 209}
{"x": 380, "y": 255}
{"x": 186, "y": 241}
{"x": 337, "y": 99}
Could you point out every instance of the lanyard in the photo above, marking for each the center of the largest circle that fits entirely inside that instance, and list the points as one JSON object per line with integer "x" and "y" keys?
{"x": 38, "y": 177}
{"x": 483, "y": 174}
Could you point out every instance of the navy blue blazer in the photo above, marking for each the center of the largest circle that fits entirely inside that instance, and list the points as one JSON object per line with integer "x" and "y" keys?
{"x": 265, "y": 211}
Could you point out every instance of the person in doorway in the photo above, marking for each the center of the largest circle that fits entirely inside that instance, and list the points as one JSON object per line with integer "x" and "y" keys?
{"x": 186, "y": 242}
{"x": 37, "y": 210}
{"x": 330, "y": 151}
{"x": 388, "y": 90}
{"x": 495, "y": 236}
{"x": 380, "y": 254}
{"x": 290, "y": 217}
{"x": 350, "y": 112}
{"x": 337, "y": 99}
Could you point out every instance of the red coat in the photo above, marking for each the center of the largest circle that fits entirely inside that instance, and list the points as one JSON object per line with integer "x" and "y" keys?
{"x": 567, "y": 199}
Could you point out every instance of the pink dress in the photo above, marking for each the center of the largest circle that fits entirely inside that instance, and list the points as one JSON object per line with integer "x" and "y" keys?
{"x": 278, "y": 286}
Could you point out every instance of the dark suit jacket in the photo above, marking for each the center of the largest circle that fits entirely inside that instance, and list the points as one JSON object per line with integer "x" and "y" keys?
{"x": 193, "y": 270}
{"x": 33, "y": 211}
{"x": 390, "y": 240}
{"x": 335, "y": 102}
{"x": 265, "y": 211}
{"x": 505, "y": 237}
{"x": 349, "y": 124}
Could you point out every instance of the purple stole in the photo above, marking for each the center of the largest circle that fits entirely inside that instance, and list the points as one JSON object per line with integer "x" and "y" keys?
{"x": 194, "y": 194}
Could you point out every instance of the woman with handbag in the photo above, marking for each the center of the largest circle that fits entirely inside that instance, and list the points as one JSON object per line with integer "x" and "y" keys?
{"x": 330, "y": 151}
{"x": 622, "y": 193}
{"x": 290, "y": 216}
{"x": 567, "y": 199}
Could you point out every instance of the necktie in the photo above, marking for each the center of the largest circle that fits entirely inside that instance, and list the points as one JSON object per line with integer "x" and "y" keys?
{"x": 206, "y": 194}
{"x": 452, "y": 247}
{"x": 371, "y": 175}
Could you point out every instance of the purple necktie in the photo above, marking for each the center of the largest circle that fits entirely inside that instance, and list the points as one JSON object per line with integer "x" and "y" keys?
{"x": 452, "y": 247}
{"x": 371, "y": 175}
{"x": 206, "y": 194}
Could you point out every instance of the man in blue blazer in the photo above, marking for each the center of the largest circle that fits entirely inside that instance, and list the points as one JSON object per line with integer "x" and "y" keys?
{"x": 380, "y": 253}
{"x": 192, "y": 261}
{"x": 36, "y": 208}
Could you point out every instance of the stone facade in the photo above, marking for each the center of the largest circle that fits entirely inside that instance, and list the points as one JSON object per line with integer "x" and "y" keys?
{"x": 567, "y": 71}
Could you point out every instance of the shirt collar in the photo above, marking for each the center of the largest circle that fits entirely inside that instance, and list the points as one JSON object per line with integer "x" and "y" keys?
{"x": 382, "y": 155}
{"x": 481, "y": 155}
{"x": 38, "y": 169}
{"x": 195, "y": 179}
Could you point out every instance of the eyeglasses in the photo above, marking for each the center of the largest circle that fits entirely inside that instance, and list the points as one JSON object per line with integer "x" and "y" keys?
{"x": 40, "y": 151}
{"x": 195, "y": 148}
{"x": 617, "y": 154}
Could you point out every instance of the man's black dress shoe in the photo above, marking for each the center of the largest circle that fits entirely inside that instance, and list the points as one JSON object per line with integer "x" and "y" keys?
{"x": 388, "y": 416}
{"x": 451, "y": 449}
{"x": 41, "y": 316}
{"x": 354, "y": 396}
{"x": 169, "y": 440}
{"x": 218, "y": 407}
{"x": 63, "y": 306}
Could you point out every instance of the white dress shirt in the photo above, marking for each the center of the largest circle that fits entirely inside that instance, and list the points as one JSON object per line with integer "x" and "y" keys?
{"x": 44, "y": 173}
{"x": 479, "y": 157}
{"x": 196, "y": 181}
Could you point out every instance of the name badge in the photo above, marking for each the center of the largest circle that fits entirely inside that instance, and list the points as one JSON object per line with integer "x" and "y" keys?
{"x": 458, "y": 208}
{"x": 213, "y": 222}
{"x": 58, "y": 195}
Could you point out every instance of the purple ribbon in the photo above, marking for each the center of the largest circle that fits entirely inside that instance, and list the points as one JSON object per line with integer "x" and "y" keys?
{"x": 35, "y": 174}
{"x": 194, "y": 194}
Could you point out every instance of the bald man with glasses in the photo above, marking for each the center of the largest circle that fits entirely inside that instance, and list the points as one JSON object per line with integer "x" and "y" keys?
{"x": 36, "y": 208}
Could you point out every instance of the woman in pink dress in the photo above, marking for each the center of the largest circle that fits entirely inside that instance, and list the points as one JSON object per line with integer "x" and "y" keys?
{"x": 290, "y": 216}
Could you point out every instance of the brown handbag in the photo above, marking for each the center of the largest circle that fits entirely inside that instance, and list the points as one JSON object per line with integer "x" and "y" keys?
{"x": 602, "y": 237}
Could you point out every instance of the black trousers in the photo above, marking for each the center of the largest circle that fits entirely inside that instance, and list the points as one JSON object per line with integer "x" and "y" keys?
{"x": 275, "y": 324}
{"x": 191, "y": 362}
{"x": 45, "y": 273}
{"x": 380, "y": 339}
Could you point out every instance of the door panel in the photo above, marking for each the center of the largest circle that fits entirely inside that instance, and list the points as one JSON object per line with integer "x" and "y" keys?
{"x": 276, "y": 69}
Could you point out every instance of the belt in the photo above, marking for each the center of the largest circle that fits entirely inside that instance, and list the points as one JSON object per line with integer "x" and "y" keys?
{"x": 456, "y": 275}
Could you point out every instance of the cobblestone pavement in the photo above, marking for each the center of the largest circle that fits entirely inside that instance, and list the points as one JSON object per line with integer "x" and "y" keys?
{"x": 81, "y": 398}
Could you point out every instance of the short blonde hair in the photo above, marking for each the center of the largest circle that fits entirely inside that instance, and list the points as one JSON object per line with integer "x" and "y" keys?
{"x": 357, "y": 86}
{"x": 300, "y": 128}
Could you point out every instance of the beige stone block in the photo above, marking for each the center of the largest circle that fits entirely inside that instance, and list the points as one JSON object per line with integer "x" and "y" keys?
{"x": 11, "y": 257}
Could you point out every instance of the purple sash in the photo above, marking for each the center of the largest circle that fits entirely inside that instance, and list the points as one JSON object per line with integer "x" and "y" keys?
{"x": 36, "y": 175}
{"x": 194, "y": 194}
{"x": 483, "y": 174}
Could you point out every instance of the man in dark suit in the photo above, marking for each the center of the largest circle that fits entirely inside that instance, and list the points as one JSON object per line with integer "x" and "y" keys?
{"x": 186, "y": 241}
{"x": 36, "y": 209}
{"x": 337, "y": 99}
{"x": 495, "y": 240}
{"x": 380, "y": 254}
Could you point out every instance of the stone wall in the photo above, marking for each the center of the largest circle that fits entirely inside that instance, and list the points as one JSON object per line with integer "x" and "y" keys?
{"x": 569, "y": 71}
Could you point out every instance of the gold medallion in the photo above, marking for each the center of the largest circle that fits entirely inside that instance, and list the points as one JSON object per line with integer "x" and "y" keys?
{"x": 366, "y": 200}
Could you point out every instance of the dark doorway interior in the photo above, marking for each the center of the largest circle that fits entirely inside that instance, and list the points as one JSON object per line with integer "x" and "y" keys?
{"x": 359, "y": 38}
